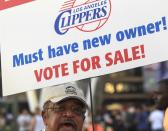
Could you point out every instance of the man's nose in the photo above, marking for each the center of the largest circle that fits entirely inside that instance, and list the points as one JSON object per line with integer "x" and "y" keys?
{"x": 68, "y": 113}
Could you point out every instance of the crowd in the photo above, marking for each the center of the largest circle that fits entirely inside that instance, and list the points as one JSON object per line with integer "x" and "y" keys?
{"x": 27, "y": 122}
{"x": 24, "y": 121}
{"x": 132, "y": 118}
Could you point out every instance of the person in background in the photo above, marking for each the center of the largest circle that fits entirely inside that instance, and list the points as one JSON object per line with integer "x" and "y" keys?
{"x": 98, "y": 126}
{"x": 162, "y": 98}
{"x": 156, "y": 120}
{"x": 37, "y": 121}
{"x": 24, "y": 120}
{"x": 64, "y": 108}
{"x": 141, "y": 118}
{"x": 2, "y": 121}
{"x": 130, "y": 122}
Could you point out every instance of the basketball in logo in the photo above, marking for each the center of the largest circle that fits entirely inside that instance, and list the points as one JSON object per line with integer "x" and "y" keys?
{"x": 94, "y": 25}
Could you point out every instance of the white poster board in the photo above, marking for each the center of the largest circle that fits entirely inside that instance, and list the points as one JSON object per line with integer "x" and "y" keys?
{"x": 49, "y": 42}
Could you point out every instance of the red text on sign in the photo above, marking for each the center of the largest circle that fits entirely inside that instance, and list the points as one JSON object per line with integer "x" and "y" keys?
{"x": 86, "y": 64}
{"x": 125, "y": 55}
{"x": 50, "y": 72}
{"x": 4, "y": 4}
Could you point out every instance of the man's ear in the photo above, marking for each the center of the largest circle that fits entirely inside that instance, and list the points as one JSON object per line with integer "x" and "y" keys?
{"x": 44, "y": 116}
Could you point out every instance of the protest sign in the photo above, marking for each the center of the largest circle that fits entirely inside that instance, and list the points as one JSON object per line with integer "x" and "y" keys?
{"x": 47, "y": 43}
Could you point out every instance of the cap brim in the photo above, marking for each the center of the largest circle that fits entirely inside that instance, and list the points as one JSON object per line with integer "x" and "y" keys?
{"x": 63, "y": 98}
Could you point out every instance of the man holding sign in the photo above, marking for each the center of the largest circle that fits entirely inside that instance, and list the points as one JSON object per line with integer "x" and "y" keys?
{"x": 64, "y": 108}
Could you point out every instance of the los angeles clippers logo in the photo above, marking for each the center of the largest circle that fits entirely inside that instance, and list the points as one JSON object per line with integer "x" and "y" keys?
{"x": 85, "y": 15}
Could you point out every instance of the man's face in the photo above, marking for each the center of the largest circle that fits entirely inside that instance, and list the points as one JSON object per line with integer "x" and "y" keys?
{"x": 64, "y": 116}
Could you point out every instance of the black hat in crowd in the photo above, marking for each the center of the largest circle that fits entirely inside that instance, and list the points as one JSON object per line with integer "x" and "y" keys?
{"x": 162, "y": 102}
{"x": 164, "y": 79}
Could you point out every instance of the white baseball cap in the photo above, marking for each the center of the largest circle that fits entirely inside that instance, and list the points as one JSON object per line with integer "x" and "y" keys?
{"x": 62, "y": 92}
